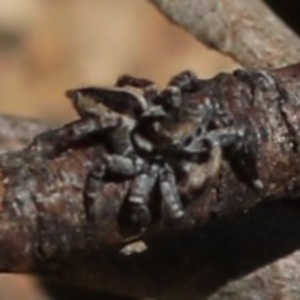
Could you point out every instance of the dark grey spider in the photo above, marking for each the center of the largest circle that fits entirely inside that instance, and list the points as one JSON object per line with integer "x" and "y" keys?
{"x": 152, "y": 137}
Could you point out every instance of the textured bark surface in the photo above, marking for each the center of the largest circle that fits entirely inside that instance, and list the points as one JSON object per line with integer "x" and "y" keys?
{"x": 246, "y": 30}
{"x": 15, "y": 133}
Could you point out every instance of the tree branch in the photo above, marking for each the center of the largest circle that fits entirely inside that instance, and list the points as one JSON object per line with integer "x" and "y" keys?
{"x": 246, "y": 30}
{"x": 16, "y": 132}
{"x": 44, "y": 227}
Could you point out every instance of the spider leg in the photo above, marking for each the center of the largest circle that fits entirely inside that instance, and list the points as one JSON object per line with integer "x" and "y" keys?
{"x": 238, "y": 144}
{"x": 195, "y": 144}
{"x": 138, "y": 199}
{"x": 51, "y": 143}
{"x": 98, "y": 101}
{"x": 202, "y": 143}
{"x": 113, "y": 166}
{"x": 128, "y": 80}
{"x": 92, "y": 193}
{"x": 120, "y": 165}
{"x": 172, "y": 206}
{"x": 148, "y": 87}
{"x": 186, "y": 81}
{"x": 145, "y": 175}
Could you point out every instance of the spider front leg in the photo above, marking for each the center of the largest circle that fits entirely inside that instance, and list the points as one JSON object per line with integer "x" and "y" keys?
{"x": 51, "y": 143}
{"x": 92, "y": 193}
{"x": 171, "y": 203}
{"x": 135, "y": 212}
{"x": 242, "y": 156}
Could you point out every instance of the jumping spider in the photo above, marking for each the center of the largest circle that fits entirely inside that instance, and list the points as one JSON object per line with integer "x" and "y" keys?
{"x": 153, "y": 136}
{"x": 115, "y": 112}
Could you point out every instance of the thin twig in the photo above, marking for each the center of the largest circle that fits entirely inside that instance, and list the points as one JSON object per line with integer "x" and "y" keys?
{"x": 246, "y": 30}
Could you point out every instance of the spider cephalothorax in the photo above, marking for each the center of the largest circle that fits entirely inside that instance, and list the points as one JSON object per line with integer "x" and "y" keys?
{"x": 155, "y": 135}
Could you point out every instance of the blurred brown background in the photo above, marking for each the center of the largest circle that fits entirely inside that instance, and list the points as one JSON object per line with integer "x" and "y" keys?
{"x": 47, "y": 46}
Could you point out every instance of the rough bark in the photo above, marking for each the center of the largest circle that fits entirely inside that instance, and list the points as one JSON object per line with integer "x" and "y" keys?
{"x": 246, "y": 30}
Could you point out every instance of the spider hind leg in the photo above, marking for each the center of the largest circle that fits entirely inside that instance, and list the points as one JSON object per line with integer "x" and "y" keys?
{"x": 171, "y": 202}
